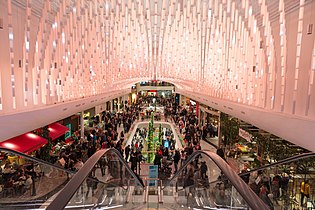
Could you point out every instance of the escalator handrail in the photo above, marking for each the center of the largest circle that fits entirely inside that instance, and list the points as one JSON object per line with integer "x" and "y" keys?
{"x": 281, "y": 162}
{"x": 65, "y": 195}
{"x": 252, "y": 199}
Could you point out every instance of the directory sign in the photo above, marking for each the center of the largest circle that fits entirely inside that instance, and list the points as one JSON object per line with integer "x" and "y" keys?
{"x": 153, "y": 173}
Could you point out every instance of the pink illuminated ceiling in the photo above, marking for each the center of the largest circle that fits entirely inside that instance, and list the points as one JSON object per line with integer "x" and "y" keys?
{"x": 257, "y": 54}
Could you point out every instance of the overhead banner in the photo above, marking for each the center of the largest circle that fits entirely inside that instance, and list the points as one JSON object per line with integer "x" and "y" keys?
{"x": 244, "y": 134}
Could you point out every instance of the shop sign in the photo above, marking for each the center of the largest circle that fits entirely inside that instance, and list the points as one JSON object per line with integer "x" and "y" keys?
{"x": 244, "y": 134}
{"x": 68, "y": 134}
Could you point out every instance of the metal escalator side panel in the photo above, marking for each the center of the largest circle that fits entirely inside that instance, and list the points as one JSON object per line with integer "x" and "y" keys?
{"x": 63, "y": 198}
{"x": 27, "y": 175}
{"x": 251, "y": 198}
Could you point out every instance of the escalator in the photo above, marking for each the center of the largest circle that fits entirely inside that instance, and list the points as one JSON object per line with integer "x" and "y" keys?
{"x": 219, "y": 190}
{"x": 117, "y": 187}
{"x": 106, "y": 182}
{"x": 30, "y": 183}
{"x": 171, "y": 194}
{"x": 283, "y": 180}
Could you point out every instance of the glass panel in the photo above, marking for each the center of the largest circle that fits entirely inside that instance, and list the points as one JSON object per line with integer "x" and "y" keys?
{"x": 27, "y": 182}
{"x": 281, "y": 185}
{"x": 201, "y": 185}
{"x": 109, "y": 185}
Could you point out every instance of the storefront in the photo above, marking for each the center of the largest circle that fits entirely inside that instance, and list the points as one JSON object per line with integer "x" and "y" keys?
{"x": 157, "y": 93}
{"x": 208, "y": 115}
{"x": 57, "y": 130}
{"x": 25, "y": 143}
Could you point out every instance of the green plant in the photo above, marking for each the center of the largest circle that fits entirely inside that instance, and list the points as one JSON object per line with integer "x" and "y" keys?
{"x": 150, "y": 141}
{"x": 160, "y": 135}
{"x": 230, "y": 127}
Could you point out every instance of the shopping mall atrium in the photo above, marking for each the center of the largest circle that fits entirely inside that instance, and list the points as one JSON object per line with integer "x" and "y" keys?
{"x": 157, "y": 104}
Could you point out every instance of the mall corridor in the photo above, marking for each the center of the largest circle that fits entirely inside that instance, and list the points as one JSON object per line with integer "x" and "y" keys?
{"x": 157, "y": 104}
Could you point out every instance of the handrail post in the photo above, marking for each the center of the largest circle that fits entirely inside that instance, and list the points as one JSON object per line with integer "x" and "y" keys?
{"x": 160, "y": 192}
{"x": 146, "y": 194}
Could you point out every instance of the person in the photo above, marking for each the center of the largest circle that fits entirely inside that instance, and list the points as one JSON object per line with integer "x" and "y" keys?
{"x": 122, "y": 136}
{"x": 102, "y": 163}
{"x": 182, "y": 158}
{"x": 220, "y": 198}
{"x": 91, "y": 183}
{"x": 133, "y": 160}
{"x": 78, "y": 165}
{"x": 139, "y": 159}
{"x": 285, "y": 183}
{"x": 203, "y": 169}
{"x": 275, "y": 189}
{"x": 189, "y": 184}
{"x": 220, "y": 152}
{"x": 176, "y": 160}
{"x": 305, "y": 191}
{"x": 263, "y": 194}
{"x": 127, "y": 152}
{"x": 157, "y": 159}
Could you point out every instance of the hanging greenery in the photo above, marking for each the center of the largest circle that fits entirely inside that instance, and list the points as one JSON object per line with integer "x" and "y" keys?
{"x": 150, "y": 141}
{"x": 230, "y": 127}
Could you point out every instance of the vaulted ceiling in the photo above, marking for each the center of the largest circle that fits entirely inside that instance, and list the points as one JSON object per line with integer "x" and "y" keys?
{"x": 254, "y": 55}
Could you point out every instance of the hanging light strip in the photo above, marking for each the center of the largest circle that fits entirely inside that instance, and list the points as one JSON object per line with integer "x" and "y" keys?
{"x": 298, "y": 53}
{"x": 283, "y": 46}
{"x": 11, "y": 43}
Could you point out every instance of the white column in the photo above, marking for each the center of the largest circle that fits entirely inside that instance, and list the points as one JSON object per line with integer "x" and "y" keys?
{"x": 219, "y": 131}
{"x": 111, "y": 105}
{"x": 124, "y": 99}
{"x": 82, "y": 124}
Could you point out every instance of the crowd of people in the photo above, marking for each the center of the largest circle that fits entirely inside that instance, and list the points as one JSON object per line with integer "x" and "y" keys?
{"x": 168, "y": 159}
{"x": 16, "y": 179}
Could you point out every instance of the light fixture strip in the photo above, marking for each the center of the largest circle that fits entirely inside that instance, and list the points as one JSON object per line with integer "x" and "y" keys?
{"x": 298, "y": 53}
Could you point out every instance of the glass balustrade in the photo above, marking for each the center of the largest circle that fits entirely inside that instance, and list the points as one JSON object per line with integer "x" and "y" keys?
{"x": 280, "y": 184}
{"x": 29, "y": 182}
{"x": 109, "y": 183}
{"x": 202, "y": 185}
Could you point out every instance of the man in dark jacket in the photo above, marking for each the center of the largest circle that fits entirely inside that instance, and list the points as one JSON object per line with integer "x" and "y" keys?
{"x": 203, "y": 169}
{"x": 134, "y": 161}
{"x": 176, "y": 160}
